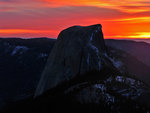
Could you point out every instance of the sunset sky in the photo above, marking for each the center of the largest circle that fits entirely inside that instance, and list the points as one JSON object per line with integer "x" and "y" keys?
{"x": 46, "y": 18}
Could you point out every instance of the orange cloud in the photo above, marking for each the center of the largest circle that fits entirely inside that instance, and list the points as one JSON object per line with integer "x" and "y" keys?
{"x": 141, "y": 35}
{"x": 34, "y": 18}
{"x": 138, "y": 35}
{"x": 122, "y": 5}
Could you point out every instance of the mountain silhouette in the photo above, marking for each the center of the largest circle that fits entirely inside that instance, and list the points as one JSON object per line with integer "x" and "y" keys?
{"x": 83, "y": 74}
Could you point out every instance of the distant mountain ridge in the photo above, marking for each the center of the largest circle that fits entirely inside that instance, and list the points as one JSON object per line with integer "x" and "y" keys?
{"x": 21, "y": 63}
{"x": 137, "y": 49}
{"x": 140, "y": 40}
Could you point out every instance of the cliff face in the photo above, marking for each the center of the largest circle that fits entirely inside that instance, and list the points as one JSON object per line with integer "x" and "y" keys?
{"x": 77, "y": 51}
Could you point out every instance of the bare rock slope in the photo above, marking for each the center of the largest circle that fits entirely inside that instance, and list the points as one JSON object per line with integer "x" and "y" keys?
{"x": 77, "y": 50}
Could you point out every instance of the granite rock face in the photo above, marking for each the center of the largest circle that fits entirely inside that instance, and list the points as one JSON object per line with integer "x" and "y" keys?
{"x": 77, "y": 50}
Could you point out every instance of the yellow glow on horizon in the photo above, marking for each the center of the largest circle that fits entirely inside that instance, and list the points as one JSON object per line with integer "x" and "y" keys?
{"x": 141, "y": 35}
{"x": 134, "y": 20}
{"x": 138, "y": 35}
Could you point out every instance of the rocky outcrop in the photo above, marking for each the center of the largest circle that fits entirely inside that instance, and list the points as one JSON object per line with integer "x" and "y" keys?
{"x": 77, "y": 50}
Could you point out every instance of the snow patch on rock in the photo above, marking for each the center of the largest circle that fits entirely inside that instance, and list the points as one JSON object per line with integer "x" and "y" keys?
{"x": 91, "y": 38}
{"x": 119, "y": 78}
{"x": 18, "y": 48}
{"x": 100, "y": 86}
{"x": 95, "y": 94}
{"x": 116, "y": 63}
{"x": 95, "y": 49}
{"x": 88, "y": 59}
{"x": 43, "y": 55}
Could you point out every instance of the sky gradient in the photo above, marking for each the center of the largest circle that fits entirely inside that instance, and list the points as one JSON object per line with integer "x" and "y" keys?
{"x": 46, "y": 18}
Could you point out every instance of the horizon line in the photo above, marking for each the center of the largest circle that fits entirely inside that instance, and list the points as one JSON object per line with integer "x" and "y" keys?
{"x": 56, "y": 38}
